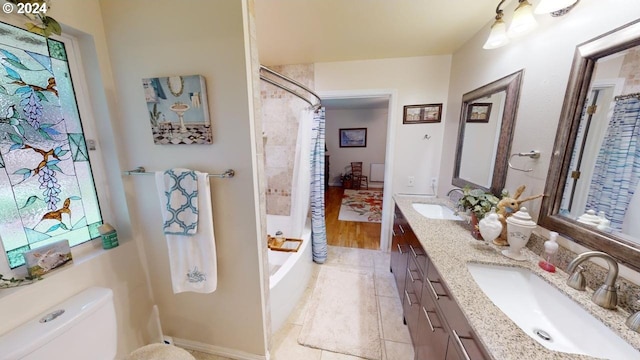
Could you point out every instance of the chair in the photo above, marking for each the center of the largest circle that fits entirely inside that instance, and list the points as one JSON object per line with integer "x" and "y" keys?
{"x": 358, "y": 179}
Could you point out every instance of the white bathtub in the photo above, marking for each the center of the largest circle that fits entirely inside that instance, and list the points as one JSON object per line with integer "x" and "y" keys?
{"x": 289, "y": 272}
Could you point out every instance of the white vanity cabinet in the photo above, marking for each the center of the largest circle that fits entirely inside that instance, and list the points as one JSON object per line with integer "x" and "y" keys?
{"x": 438, "y": 328}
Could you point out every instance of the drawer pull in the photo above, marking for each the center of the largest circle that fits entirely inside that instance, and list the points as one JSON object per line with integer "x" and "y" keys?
{"x": 433, "y": 290}
{"x": 393, "y": 232}
{"x": 428, "y": 319}
{"x": 415, "y": 255}
{"x": 406, "y": 294}
{"x": 461, "y": 345}
{"x": 411, "y": 276}
{"x": 401, "y": 229}
{"x": 400, "y": 249}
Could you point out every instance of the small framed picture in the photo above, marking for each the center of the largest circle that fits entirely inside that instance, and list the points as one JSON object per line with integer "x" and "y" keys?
{"x": 354, "y": 137}
{"x": 479, "y": 112}
{"x": 421, "y": 114}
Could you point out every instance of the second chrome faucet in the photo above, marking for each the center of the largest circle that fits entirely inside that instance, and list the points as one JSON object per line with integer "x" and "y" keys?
{"x": 606, "y": 295}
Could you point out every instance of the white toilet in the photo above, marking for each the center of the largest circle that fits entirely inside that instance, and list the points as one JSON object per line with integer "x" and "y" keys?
{"x": 80, "y": 328}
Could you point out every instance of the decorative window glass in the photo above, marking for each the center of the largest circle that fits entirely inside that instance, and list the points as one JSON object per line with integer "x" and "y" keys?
{"x": 47, "y": 192}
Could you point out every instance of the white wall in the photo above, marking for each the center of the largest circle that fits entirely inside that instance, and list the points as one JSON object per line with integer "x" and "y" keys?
{"x": 121, "y": 268}
{"x": 417, "y": 80}
{"x": 546, "y": 55}
{"x": 375, "y": 120}
{"x": 160, "y": 38}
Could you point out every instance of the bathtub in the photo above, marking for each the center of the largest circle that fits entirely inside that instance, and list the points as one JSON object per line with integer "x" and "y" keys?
{"x": 289, "y": 272}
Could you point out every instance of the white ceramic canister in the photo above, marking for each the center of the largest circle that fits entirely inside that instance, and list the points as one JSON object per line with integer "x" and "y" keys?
{"x": 519, "y": 228}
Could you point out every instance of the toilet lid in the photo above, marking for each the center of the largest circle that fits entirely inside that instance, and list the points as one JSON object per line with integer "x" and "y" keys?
{"x": 160, "y": 352}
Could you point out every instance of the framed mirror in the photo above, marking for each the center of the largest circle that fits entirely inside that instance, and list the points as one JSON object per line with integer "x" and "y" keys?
{"x": 484, "y": 136}
{"x": 595, "y": 165}
{"x": 176, "y": 85}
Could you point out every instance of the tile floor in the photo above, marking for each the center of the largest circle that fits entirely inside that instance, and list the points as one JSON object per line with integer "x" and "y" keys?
{"x": 395, "y": 339}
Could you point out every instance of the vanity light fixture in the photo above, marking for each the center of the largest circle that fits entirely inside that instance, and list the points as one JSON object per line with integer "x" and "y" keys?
{"x": 523, "y": 20}
{"x": 555, "y": 7}
{"x": 498, "y": 35}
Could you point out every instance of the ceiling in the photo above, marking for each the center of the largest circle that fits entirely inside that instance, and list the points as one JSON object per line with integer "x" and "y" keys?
{"x": 310, "y": 31}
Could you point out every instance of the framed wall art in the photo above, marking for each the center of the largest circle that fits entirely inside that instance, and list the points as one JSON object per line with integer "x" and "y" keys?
{"x": 178, "y": 109}
{"x": 353, "y": 137}
{"x": 479, "y": 112}
{"x": 421, "y": 114}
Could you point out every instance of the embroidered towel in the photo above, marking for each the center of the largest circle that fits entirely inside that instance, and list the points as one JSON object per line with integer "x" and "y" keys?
{"x": 192, "y": 258}
{"x": 181, "y": 199}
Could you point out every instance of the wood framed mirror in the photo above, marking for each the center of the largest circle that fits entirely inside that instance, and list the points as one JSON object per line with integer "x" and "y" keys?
{"x": 482, "y": 153}
{"x": 595, "y": 163}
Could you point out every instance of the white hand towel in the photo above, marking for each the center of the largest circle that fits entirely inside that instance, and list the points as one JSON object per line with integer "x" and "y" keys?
{"x": 192, "y": 258}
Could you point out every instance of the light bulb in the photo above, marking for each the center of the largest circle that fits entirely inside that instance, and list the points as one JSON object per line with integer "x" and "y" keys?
{"x": 549, "y": 6}
{"x": 523, "y": 20}
{"x": 497, "y": 36}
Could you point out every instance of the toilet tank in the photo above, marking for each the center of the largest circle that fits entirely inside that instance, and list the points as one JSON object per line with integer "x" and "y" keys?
{"x": 80, "y": 328}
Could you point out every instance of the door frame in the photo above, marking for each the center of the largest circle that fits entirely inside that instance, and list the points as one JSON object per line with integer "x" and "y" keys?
{"x": 387, "y": 200}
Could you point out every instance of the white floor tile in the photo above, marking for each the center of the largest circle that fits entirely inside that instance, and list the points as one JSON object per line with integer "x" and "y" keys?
{"x": 385, "y": 284}
{"x": 393, "y": 327}
{"x": 398, "y": 351}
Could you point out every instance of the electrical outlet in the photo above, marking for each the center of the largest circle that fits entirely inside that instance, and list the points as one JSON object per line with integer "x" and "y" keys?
{"x": 411, "y": 180}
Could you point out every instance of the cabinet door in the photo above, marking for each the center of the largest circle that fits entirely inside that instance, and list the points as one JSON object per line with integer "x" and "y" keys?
{"x": 399, "y": 251}
{"x": 432, "y": 337}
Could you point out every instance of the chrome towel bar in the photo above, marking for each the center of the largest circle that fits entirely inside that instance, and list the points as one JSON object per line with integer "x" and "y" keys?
{"x": 140, "y": 170}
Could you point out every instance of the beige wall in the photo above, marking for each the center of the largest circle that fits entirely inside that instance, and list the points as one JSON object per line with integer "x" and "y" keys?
{"x": 375, "y": 121}
{"x": 546, "y": 56}
{"x": 161, "y": 38}
{"x": 121, "y": 268}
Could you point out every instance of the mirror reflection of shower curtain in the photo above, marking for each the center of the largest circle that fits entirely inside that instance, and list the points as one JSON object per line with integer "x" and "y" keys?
{"x": 318, "y": 227}
{"x": 301, "y": 184}
{"x": 617, "y": 169}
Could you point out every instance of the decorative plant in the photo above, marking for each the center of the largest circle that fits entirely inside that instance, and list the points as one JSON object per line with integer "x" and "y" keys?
{"x": 478, "y": 201}
{"x": 155, "y": 115}
{"x": 13, "y": 282}
{"x": 36, "y": 11}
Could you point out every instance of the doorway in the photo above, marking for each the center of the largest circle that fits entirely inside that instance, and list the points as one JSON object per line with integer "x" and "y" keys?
{"x": 355, "y": 211}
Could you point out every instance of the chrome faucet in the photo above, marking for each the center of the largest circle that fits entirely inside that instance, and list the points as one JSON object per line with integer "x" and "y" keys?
{"x": 606, "y": 295}
{"x": 458, "y": 206}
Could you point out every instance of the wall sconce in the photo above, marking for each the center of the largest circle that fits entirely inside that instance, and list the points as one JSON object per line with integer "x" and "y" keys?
{"x": 523, "y": 20}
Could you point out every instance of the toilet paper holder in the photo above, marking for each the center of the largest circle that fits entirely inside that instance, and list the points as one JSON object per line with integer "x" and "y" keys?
{"x": 533, "y": 154}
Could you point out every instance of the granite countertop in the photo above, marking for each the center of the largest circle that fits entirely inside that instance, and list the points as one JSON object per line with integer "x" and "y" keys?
{"x": 451, "y": 246}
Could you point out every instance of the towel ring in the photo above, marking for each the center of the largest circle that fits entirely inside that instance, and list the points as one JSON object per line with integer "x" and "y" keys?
{"x": 533, "y": 154}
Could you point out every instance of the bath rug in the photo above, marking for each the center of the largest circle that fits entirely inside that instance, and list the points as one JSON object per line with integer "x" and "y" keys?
{"x": 361, "y": 206}
{"x": 343, "y": 314}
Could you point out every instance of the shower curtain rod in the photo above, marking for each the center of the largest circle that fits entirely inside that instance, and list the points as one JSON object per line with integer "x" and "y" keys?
{"x": 274, "y": 83}
{"x": 627, "y": 96}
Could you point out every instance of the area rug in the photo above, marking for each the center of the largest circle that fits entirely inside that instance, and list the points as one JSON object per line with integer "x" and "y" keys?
{"x": 361, "y": 205}
{"x": 343, "y": 315}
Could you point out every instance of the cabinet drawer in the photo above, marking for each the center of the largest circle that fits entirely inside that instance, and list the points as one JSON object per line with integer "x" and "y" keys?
{"x": 433, "y": 336}
{"x": 411, "y": 310}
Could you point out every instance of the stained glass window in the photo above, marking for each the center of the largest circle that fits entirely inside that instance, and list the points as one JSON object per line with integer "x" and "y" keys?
{"x": 47, "y": 192}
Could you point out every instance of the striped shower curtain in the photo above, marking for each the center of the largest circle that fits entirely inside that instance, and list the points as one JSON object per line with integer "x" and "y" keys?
{"x": 617, "y": 168}
{"x": 318, "y": 229}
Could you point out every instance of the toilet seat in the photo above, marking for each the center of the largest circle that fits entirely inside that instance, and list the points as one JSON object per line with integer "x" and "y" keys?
{"x": 160, "y": 352}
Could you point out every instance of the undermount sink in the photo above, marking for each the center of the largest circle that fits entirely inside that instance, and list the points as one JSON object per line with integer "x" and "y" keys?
{"x": 547, "y": 315}
{"x": 435, "y": 211}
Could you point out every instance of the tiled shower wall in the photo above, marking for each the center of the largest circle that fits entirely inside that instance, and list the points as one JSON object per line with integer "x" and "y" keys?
{"x": 280, "y": 113}
{"x": 629, "y": 71}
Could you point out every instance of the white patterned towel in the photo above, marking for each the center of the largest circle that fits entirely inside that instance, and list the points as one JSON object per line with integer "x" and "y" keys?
{"x": 192, "y": 258}
{"x": 180, "y": 212}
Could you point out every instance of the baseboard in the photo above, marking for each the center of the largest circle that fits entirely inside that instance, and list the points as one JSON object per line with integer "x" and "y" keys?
{"x": 217, "y": 350}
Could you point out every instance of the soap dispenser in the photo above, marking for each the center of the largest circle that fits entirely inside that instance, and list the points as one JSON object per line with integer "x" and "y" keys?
{"x": 550, "y": 249}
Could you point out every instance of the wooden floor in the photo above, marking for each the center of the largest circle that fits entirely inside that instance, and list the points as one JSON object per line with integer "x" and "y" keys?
{"x": 363, "y": 235}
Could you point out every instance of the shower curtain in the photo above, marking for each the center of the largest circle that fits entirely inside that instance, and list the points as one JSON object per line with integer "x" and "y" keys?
{"x": 318, "y": 229}
{"x": 617, "y": 168}
{"x": 301, "y": 184}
